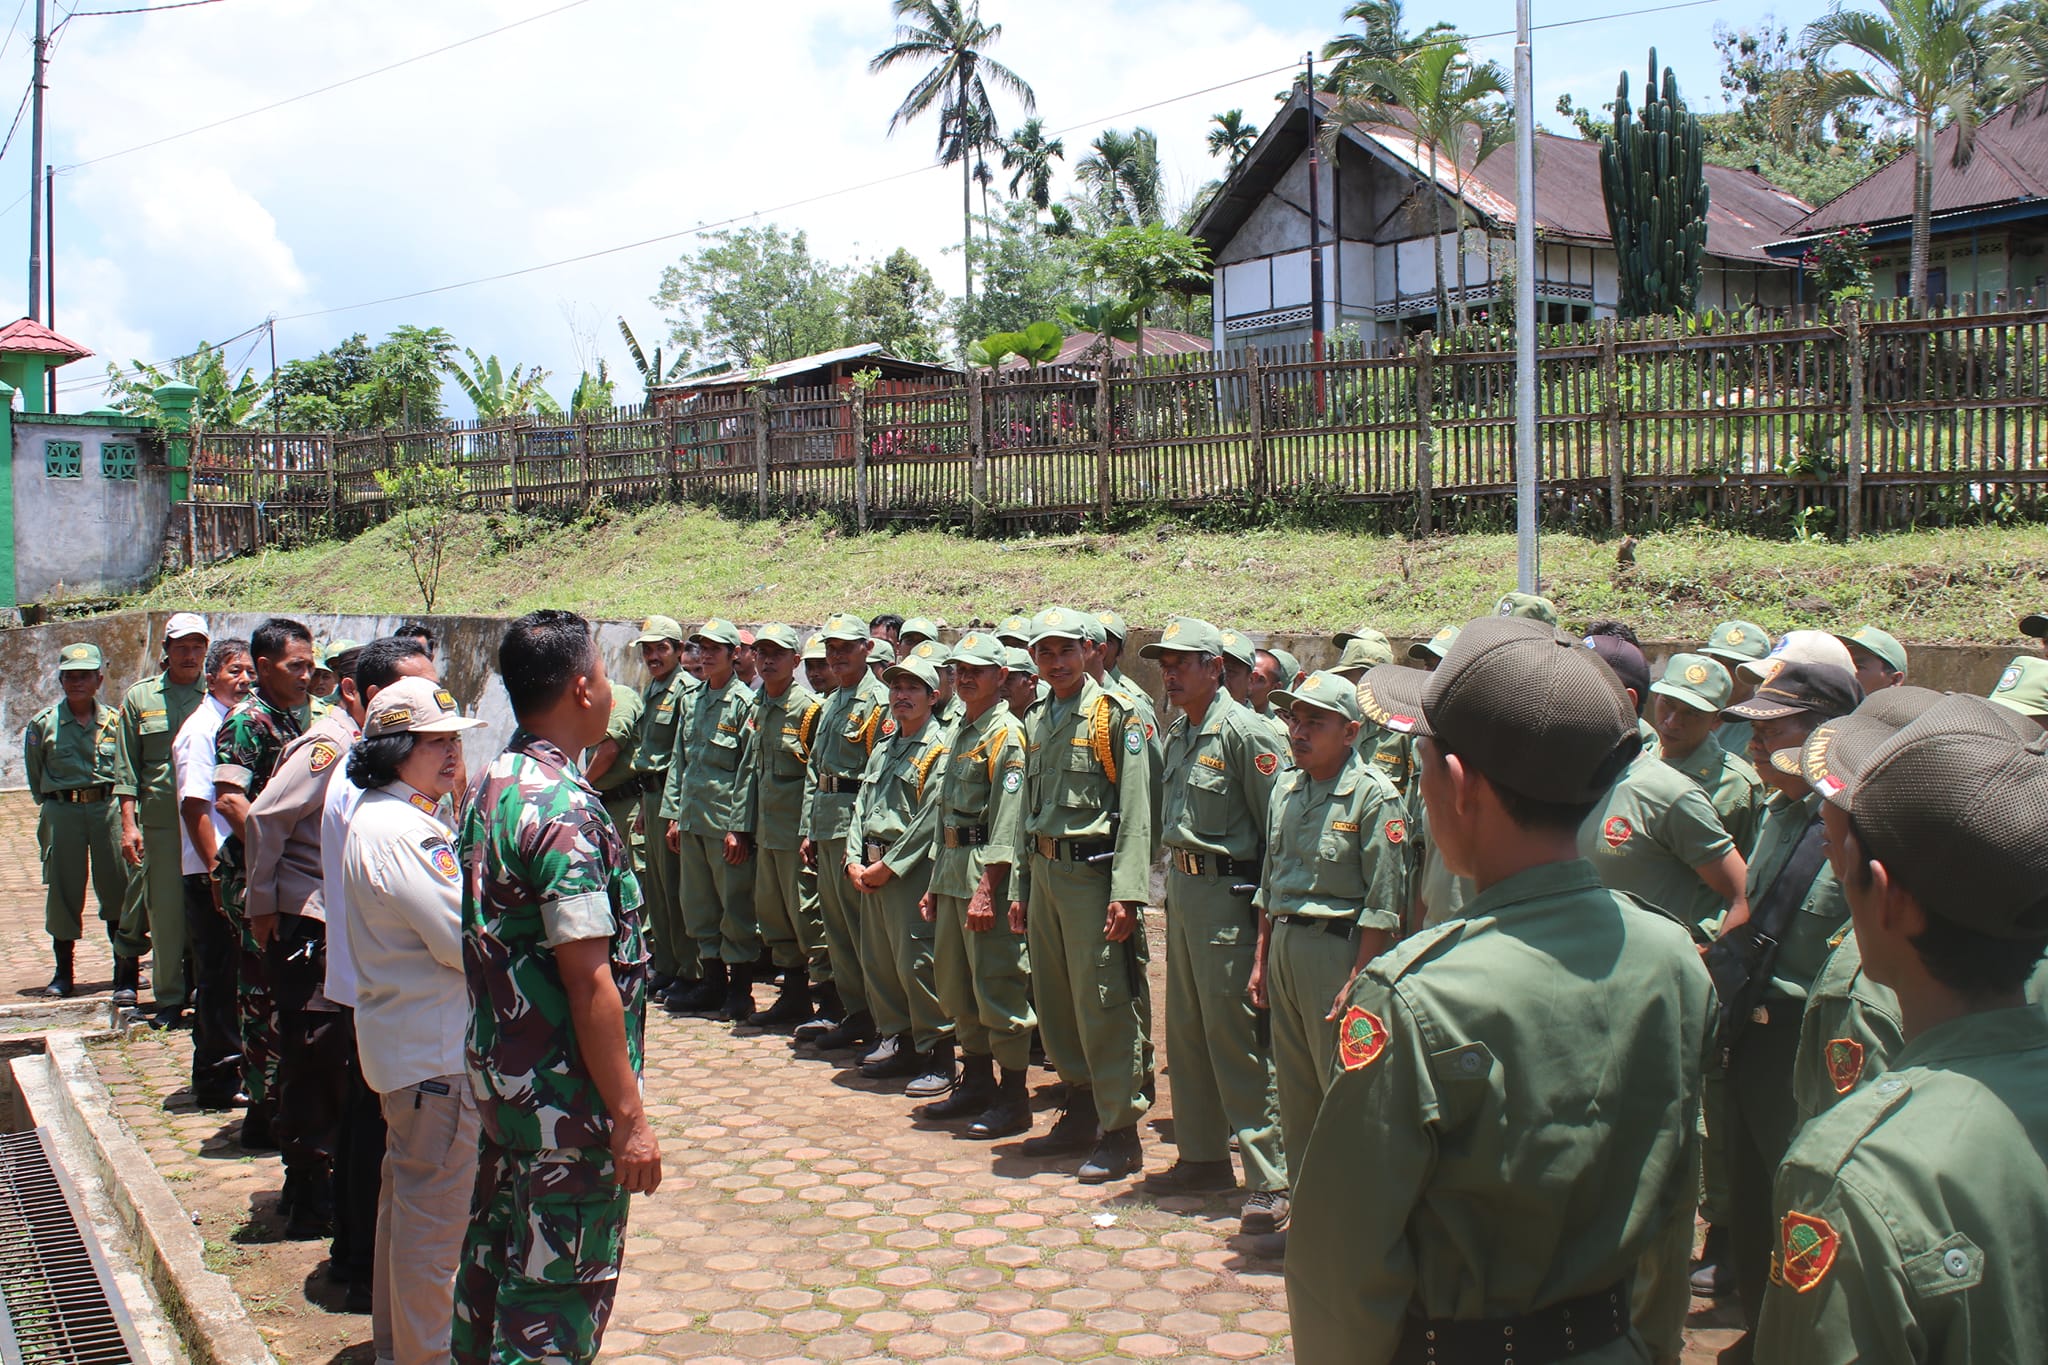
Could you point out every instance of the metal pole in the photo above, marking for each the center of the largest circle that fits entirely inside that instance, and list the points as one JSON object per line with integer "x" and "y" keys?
{"x": 35, "y": 172}
{"x": 1315, "y": 229}
{"x": 1526, "y": 565}
{"x": 276, "y": 400}
{"x": 50, "y": 274}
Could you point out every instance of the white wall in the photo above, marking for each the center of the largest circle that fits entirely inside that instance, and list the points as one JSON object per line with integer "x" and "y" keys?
{"x": 86, "y": 535}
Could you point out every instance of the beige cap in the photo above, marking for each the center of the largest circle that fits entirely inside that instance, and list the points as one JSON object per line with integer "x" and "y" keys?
{"x": 415, "y": 706}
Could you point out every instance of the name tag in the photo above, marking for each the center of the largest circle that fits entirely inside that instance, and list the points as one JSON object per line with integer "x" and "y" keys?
{"x": 1210, "y": 761}
{"x": 1344, "y": 826}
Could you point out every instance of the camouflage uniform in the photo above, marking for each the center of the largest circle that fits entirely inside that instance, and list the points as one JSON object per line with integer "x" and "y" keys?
{"x": 543, "y": 865}
{"x": 246, "y": 751}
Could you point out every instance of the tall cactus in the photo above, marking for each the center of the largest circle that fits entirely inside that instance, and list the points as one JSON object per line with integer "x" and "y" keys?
{"x": 1653, "y": 177}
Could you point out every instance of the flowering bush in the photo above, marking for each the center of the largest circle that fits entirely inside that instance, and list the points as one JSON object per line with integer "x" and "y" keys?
{"x": 1840, "y": 263}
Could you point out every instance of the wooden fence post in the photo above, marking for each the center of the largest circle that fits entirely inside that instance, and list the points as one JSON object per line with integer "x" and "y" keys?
{"x": 1255, "y": 397}
{"x": 1610, "y": 425}
{"x": 1104, "y": 442}
{"x": 670, "y": 464}
{"x": 859, "y": 419}
{"x": 1852, "y": 321}
{"x": 977, "y": 451}
{"x": 761, "y": 452}
{"x": 1425, "y": 431}
{"x": 579, "y": 445}
{"x": 333, "y": 488}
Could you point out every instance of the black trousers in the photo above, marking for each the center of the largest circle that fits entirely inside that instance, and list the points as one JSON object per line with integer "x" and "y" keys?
{"x": 216, "y": 1032}
{"x": 1761, "y": 1118}
{"x": 358, "y": 1174}
{"x": 315, "y": 1046}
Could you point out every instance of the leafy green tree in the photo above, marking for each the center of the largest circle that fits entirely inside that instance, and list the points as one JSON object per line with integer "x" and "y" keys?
{"x": 894, "y": 302}
{"x": 425, "y": 494}
{"x": 406, "y": 377}
{"x": 949, "y": 40}
{"x": 1121, "y": 177}
{"x": 1028, "y": 275}
{"x": 594, "y": 392}
{"x": 498, "y": 393}
{"x": 1381, "y": 35}
{"x": 224, "y": 401}
{"x": 353, "y": 386}
{"x": 1232, "y": 135}
{"x": 1146, "y": 262}
{"x": 1029, "y": 153}
{"x": 754, "y": 295}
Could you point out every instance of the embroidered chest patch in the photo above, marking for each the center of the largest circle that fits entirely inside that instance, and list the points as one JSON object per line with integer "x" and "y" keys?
{"x": 1845, "y": 1064}
{"x": 1361, "y": 1038}
{"x": 1616, "y": 831}
{"x": 1807, "y": 1248}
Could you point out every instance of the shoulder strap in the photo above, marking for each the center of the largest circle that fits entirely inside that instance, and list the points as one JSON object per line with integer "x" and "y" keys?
{"x": 1773, "y": 910}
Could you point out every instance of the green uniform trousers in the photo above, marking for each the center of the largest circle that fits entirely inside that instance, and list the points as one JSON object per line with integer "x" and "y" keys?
{"x": 668, "y": 944}
{"x": 984, "y": 982}
{"x": 1216, "y": 1053}
{"x": 1087, "y": 989}
{"x": 896, "y": 962}
{"x": 839, "y": 908}
{"x": 1661, "y": 1294}
{"x": 718, "y": 904}
{"x": 810, "y": 916}
{"x": 80, "y": 841}
{"x": 1714, "y": 1146}
{"x": 778, "y": 905}
{"x": 540, "y": 1264}
{"x": 1763, "y": 1115}
{"x": 155, "y": 911}
{"x": 1306, "y": 966}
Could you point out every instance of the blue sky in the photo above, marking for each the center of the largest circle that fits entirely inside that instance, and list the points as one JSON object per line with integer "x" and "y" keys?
{"x": 607, "y": 122}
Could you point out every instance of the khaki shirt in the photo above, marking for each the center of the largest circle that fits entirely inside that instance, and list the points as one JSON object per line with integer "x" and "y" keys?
{"x": 151, "y": 715}
{"x": 898, "y": 804}
{"x": 1650, "y": 832}
{"x": 63, "y": 754}
{"x": 1512, "y": 1121}
{"x": 984, "y": 786}
{"x": 1218, "y": 786}
{"x": 660, "y": 709}
{"x": 779, "y": 767}
{"x": 849, "y": 725}
{"x": 710, "y": 788}
{"x": 1333, "y": 849}
{"x": 1732, "y": 785}
{"x": 1088, "y": 775}
{"x": 282, "y": 832}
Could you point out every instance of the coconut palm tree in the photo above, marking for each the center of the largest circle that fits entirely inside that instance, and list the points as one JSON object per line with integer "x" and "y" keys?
{"x": 1232, "y": 136}
{"x": 1923, "y": 62}
{"x": 1121, "y": 175}
{"x": 1030, "y": 154}
{"x": 1454, "y": 108}
{"x": 948, "y": 38}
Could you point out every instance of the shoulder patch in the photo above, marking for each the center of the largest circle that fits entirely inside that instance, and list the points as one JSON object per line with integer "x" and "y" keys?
{"x": 1806, "y": 1250}
{"x": 1396, "y": 831}
{"x": 1361, "y": 1038}
{"x": 1617, "y": 831}
{"x": 1267, "y": 764}
{"x": 1134, "y": 738}
{"x": 325, "y": 751}
{"x": 1845, "y": 1064}
{"x": 442, "y": 857}
{"x": 1013, "y": 780}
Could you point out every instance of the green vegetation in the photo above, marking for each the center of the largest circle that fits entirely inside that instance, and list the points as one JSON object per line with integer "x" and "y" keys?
{"x": 1954, "y": 585}
{"x": 1654, "y": 179}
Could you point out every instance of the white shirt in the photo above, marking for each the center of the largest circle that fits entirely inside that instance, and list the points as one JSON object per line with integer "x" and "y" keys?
{"x": 343, "y": 796}
{"x": 192, "y": 771}
{"x": 403, "y": 885}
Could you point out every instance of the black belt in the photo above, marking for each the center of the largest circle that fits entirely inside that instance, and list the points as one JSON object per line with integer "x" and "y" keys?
{"x": 832, "y": 784}
{"x": 632, "y": 789}
{"x": 1560, "y": 1332}
{"x": 1212, "y": 864}
{"x": 83, "y": 796}
{"x": 965, "y": 836}
{"x": 1074, "y": 850}
{"x": 1334, "y": 925}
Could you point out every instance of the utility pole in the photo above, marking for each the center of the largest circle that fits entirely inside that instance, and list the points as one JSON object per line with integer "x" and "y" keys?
{"x": 35, "y": 169}
{"x": 1315, "y": 228}
{"x": 1526, "y": 565}
{"x": 50, "y": 275}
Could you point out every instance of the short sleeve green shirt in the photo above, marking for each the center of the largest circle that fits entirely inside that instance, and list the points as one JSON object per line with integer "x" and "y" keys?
{"x": 1648, "y": 834}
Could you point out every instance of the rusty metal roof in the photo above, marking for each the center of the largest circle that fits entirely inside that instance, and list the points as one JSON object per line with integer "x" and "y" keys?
{"x": 2009, "y": 164}
{"x": 1074, "y": 351}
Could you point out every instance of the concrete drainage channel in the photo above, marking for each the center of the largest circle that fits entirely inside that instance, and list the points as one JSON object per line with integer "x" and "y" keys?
{"x": 135, "y": 1245}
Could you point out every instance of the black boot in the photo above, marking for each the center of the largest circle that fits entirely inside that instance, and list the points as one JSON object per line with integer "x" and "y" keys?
{"x": 893, "y": 1056}
{"x": 1116, "y": 1156}
{"x": 971, "y": 1093}
{"x": 792, "y": 1005}
{"x": 1074, "y": 1132}
{"x": 256, "y": 1134}
{"x": 1010, "y": 1111}
{"x": 739, "y": 994}
{"x": 707, "y": 998}
{"x": 61, "y": 985}
{"x": 127, "y": 977}
{"x": 312, "y": 1205}
{"x": 935, "y": 1074}
{"x": 854, "y": 1030}
{"x": 1712, "y": 1277}
{"x": 829, "y": 1011}
{"x": 677, "y": 988}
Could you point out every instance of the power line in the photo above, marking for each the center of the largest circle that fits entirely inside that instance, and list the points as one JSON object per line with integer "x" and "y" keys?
{"x": 117, "y": 373}
{"x": 143, "y": 9}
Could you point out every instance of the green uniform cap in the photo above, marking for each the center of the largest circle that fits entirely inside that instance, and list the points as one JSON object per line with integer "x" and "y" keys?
{"x": 1185, "y": 635}
{"x": 1359, "y": 655}
{"x": 1290, "y": 667}
{"x": 1436, "y": 646}
{"x": 1699, "y": 682}
{"x": 79, "y": 658}
{"x": 982, "y": 649}
{"x": 1325, "y": 690}
{"x": 922, "y": 669}
{"x": 1378, "y": 649}
{"x": 843, "y": 626}
{"x": 1345, "y": 637}
{"x": 325, "y": 656}
{"x": 717, "y": 631}
{"x": 1092, "y": 624}
{"x": 657, "y": 628}
{"x": 776, "y": 633}
{"x": 814, "y": 648}
{"x": 1057, "y": 623}
{"x": 2023, "y": 687}
{"x": 881, "y": 652}
{"x": 1018, "y": 661}
{"x": 938, "y": 654}
{"x": 1734, "y": 642}
{"x": 1014, "y": 628}
{"x": 1528, "y": 606}
{"x": 918, "y": 628}
{"x": 1112, "y": 624}
{"x": 1881, "y": 643}
{"x": 1236, "y": 646}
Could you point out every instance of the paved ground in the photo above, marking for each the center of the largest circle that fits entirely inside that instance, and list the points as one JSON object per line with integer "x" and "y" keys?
{"x": 802, "y": 1215}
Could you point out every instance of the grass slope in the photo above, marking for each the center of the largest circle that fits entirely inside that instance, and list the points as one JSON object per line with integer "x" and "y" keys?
{"x": 1964, "y": 585}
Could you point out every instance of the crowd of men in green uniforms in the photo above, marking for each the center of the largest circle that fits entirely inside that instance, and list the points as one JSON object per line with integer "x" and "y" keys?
{"x": 1434, "y": 935}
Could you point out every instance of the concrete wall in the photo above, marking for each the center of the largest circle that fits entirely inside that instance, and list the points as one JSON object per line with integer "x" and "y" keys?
{"x": 469, "y": 646}
{"x": 86, "y": 535}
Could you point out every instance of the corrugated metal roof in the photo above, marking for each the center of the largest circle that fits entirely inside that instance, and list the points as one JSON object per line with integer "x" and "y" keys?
{"x": 781, "y": 369}
{"x": 1158, "y": 341}
{"x": 2010, "y": 163}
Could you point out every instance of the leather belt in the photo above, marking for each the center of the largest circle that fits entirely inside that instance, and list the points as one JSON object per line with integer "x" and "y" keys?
{"x": 1334, "y": 925}
{"x": 1212, "y": 864}
{"x": 1073, "y": 850}
{"x": 83, "y": 796}
{"x": 1563, "y": 1331}
{"x": 832, "y": 784}
{"x": 965, "y": 836}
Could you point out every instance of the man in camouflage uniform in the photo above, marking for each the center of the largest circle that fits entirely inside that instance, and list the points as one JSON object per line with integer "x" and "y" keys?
{"x": 556, "y": 960}
{"x": 661, "y": 706}
{"x": 150, "y": 716}
{"x": 70, "y": 749}
{"x": 246, "y": 751}
{"x": 787, "y": 931}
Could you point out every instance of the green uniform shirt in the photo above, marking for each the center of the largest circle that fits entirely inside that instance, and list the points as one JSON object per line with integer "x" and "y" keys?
{"x": 1648, "y": 834}
{"x": 852, "y": 722}
{"x": 1914, "y": 1214}
{"x": 660, "y": 709}
{"x": 1116, "y": 680}
{"x": 1088, "y": 775}
{"x": 1732, "y": 785}
{"x": 542, "y": 866}
{"x": 1218, "y": 784}
{"x": 62, "y": 754}
{"x": 710, "y": 787}
{"x": 1822, "y": 909}
{"x": 1333, "y": 848}
{"x": 898, "y": 804}
{"x": 1734, "y": 737}
{"x": 151, "y": 715}
{"x": 1512, "y": 1123}
{"x": 983, "y": 786}
{"x": 779, "y": 764}
{"x": 623, "y": 730}
{"x": 1848, "y": 1033}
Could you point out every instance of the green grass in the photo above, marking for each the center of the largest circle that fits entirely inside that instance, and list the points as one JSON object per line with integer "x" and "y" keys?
{"x": 1964, "y": 585}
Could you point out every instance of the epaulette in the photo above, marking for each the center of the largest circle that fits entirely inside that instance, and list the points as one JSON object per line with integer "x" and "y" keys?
{"x": 1829, "y": 1138}
{"x": 1416, "y": 949}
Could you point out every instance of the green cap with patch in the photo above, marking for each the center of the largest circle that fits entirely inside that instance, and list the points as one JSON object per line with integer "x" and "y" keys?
{"x": 881, "y": 652}
{"x": 79, "y": 658}
{"x": 1237, "y": 646}
{"x": 325, "y": 656}
{"x": 1345, "y": 637}
{"x": 1378, "y": 649}
{"x": 658, "y": 628}
{"x": 922, "y": 669}
{"x": 1882, "y": 643}
{"x": 1359, "y": 655}
{"x": 1699, "y": 682}
{"x": 1436, "y": 646}
{"x": 982, "y": 649}
{"x": 939, "y": 654}
{"x": 1112, "y": 625}
{"x": 1014, "y": 628}
{"x": 1185, "y": 635}
{"x": 1735, "y": 642}
{"x": 918, "y": 628}
{"x": 777, "y": 634}
{"x": 1018, "y": 661}
{"x": 2023, "y": 687}
{"x": 717, "y": 631}
{"x": 814, "y": 648}
{"x": 1058, "y": 623}
{"x": 842, "y": 625}
{"x": 1528, "y": 606}
{"x": 1325, "y": 690}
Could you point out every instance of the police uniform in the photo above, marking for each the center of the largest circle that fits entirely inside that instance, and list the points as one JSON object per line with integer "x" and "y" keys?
{"x": 71, "y": 767}
{"x": 786, "y": 931}
{"x": 661, "y": 706}
{"x": 542, "y": 866}
{"x": 151, "y": 715}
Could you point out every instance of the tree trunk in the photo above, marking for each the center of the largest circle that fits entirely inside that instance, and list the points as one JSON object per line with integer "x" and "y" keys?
{"x": 1436, "y": 244}
{"x": 1458, "y": 220}
{"x": 1923, "y": 208}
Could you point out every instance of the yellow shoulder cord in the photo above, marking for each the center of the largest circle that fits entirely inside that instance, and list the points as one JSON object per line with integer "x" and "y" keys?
{"x": 1099, "y": 738}
{"x": 925, "y": 765}
{"x": 868, "y": 728}
{"x": 995, "y": 754}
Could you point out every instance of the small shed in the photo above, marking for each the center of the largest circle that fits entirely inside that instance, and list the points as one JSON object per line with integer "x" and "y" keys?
{"x": 28, "y": 352}
{"x": 833, "y": 370}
